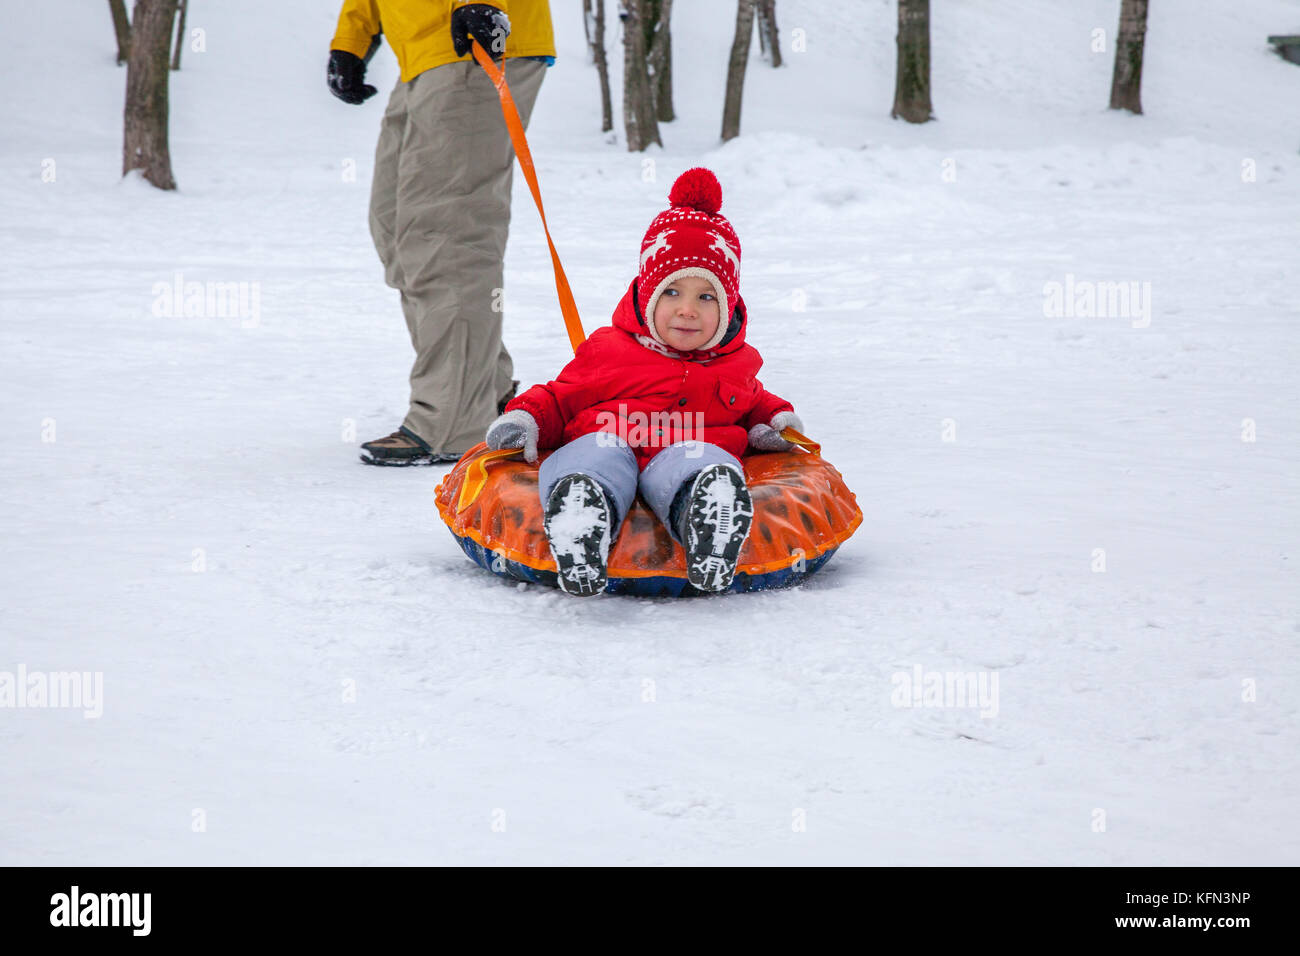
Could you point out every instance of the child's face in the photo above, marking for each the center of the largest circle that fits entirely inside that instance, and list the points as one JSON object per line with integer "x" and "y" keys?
{"x": 686, "y": 313}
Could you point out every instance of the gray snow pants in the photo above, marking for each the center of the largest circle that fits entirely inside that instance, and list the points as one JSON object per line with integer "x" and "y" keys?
{"x": 439, "y": 215}
{"x": 607, "y": 458}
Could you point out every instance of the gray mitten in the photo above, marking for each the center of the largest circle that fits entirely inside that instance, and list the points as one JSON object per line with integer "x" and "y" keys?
{"x": 515, "y": 429}
{"x": 768, "y": 437}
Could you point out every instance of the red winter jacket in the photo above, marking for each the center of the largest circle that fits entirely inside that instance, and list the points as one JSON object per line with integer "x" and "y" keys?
{"x": 649, "y": 394}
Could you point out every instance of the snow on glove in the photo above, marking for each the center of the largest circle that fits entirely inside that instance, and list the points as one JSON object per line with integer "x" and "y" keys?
{"x": 768, "y": 437}
{"x": 485, "y": 23}
{"x": 346, "y": 76}
{"x": 515, "y": 429}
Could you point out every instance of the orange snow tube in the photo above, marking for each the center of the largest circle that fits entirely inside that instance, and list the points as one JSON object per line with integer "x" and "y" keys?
{"x": 490, "y": 502}
{"x": 802, "y": 513}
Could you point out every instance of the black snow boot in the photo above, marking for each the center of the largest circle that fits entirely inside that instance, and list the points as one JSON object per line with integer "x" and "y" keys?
{"x": 579, "y": 522}
{"x": 715, "y": 520}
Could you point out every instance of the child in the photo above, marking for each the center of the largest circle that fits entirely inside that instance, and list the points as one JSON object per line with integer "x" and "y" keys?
{"x": 664, "y": 400}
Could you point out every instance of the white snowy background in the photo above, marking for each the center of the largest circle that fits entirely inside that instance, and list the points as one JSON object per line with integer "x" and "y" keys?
{"x": 478, "y": 702}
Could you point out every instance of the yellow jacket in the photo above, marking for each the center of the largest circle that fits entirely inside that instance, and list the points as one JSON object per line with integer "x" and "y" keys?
{"x": 419, "y": 31}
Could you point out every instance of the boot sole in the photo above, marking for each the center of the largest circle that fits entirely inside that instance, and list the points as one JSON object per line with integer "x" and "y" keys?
{"x": 577, "y": 523}
{"x": 408, "y": 462}
{"x": 717, "y": 525}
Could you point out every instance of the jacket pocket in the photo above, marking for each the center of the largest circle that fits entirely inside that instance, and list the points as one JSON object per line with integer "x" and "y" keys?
{"x": 734, "y": 397}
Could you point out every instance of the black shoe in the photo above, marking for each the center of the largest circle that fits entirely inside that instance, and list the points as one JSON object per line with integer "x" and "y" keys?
{"x": 505, "y": 399}
{"x": 403, "y": 447}
{"x": 578, "y": 526}
{"x": 716, "y": 521}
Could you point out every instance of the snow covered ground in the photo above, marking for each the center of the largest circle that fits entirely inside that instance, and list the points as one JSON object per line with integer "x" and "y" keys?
{"x": 199, "y": 529}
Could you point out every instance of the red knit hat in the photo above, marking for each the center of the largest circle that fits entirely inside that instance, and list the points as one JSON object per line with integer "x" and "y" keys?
{"x": 691, "y": 239}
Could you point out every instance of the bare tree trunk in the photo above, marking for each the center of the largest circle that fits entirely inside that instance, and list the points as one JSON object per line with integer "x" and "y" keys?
{"x": 638, "y": 99}
{"x": 122, "y": 27}
{"x": 602, "y": 67}
{"x": 769, "y": 38}
{"x": 664, "y": 95}
{"x": 145, "y": 141}
{"x": 180, "y": 36}
{"x": 594, "y": 24}
{"x": 659, "y": 43}
{"x": 1126, "y": 84}
{"x": 912, "y": 81}
{"x": 736, "y": 69}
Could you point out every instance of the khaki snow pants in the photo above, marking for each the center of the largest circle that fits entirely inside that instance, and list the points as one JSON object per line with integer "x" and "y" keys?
{"x": 439, "y": 216}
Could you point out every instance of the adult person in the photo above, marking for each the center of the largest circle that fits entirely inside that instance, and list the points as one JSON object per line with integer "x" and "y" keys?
{"x": 440, "y": 199}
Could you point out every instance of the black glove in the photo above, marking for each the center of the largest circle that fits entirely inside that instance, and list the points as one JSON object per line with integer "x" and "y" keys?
{"x": 346, "y": 76}
{"x": 486, "y": 23}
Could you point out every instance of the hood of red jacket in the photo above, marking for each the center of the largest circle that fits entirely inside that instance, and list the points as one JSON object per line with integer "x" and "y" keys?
{"x": 628, "y": 317}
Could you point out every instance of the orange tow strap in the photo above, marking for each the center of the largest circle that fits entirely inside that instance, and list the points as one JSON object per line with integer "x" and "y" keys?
{"x": 801, "y": 440}
{"x": 498, "y": 76}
